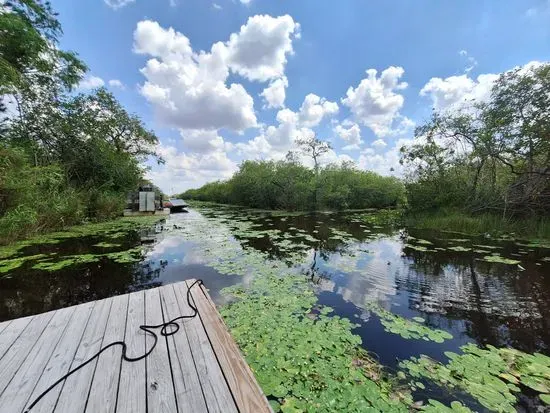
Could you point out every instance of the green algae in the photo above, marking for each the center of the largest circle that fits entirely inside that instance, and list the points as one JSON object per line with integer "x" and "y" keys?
{"x": 502, "y": 260}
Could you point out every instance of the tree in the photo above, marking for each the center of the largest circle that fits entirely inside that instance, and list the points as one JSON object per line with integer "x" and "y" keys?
{"x": 494, "y": 155}
{"x": 315, "y": 148}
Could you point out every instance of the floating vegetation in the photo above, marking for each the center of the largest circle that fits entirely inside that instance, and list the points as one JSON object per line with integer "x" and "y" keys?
{"x": 409, "y": 329}
{"x": 65, "y": 261}
{"x": 306, "y": 364}
{"x": 12, "y": 264}
{"x": 491, "y": 375}
{"x": 437, "y": 407}
{"x": 107, "y": 245}
{"x": 501, "y": 260}
{"x": 459, "y": 249}
{"x": 416, "y": 247}
{"x": 423, "y": 242}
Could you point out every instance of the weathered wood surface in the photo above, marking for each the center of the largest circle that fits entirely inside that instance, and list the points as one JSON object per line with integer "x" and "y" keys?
{"x": 198, "y": 369}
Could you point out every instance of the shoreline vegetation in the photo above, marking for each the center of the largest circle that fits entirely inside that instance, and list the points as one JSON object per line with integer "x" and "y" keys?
{"x": 65, "y": 157}
{"x": 479, "y": 168}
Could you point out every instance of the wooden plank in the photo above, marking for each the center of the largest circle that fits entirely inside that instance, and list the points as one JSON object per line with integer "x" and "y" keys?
{"x": 104, "y": 387}
{"x": 132, "y": 385}
{"x": 215, "y": 389}
{"x": 61, "y": 359}
{"x": 4, "y": 325}
{"x": 75, "y": 389}
{"x": 189, "y": 392}
{"x": 246, "y": 391}
{"x": 16, "y": 394}
{"x": 12, "y": 331}
{"x": 18, "y": 352}
{"x": 160, "y": 388}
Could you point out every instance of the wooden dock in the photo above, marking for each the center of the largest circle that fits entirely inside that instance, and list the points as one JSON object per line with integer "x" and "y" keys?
{"x": 198, "y": 369}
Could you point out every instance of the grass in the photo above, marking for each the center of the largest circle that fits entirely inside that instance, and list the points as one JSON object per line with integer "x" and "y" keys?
{"x": 535, "y": 228}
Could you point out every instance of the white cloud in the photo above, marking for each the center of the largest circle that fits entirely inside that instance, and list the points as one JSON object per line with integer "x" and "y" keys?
{"x": 117, "y": 4}
{"x": 259, "y": 50}
{"x": 351, "y": 135}
{"x": 246, "y": 1}
{"x": 182, "y": 170}
{"x": 216, "y": 6}
{"x": 188, "y": 89}
{"x": 457, "y": 91}
{"x": 91, "y": 82}
{"x": 379, "y": 143}
{"x": 314, "y": 109}
{"x": 275, "y": 94}
{"x": 386, "y": 163}
{"x": 374, "y": 102}
{"x": 471, "y": 61}
{"x": 204, "y": 141}
{"x": 116, "y": 84}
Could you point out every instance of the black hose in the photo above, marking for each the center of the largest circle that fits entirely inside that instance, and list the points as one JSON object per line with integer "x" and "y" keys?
{"x": 174, "y": 328}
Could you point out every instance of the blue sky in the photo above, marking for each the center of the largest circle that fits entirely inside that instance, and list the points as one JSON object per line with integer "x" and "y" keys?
{"x": 229, "y": 80}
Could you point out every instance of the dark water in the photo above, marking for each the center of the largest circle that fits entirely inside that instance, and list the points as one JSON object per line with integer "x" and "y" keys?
{"x": 350, "y": 263}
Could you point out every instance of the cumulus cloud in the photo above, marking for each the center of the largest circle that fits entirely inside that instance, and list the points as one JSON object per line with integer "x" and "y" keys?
{"x": 457, "y": 91}
{"x": 375, "y": 102}
{"x": 116, "y": 84}
{"x": 471, "y": 61}
{"x": 182, "y": 170}
{"x": 275, "y": 94}
{"x": 386, "y": 163}
{"x": 188, "y": 89}
{"x": 216, "y": 6}
{"x": 259, "y": 50}
{"x": 204, "y": 141}
{"x": 91, "y": 82}
{"x": 314, "y": 109}
{"x": 379, "y": 143}
{"x": 274, "y": 142}
{"x": 351, "y": 135}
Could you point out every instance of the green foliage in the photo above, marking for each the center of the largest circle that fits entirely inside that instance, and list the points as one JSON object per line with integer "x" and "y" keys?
{"x": 291, "y": 186}
{"x": 437, "y": 407}
{"x": 502, "y": 166}
{"x": 491, "y": 375}
{"x": 309, "y": 363}
{"x": 454, "y": 220}
{"x": 409, "y": 329}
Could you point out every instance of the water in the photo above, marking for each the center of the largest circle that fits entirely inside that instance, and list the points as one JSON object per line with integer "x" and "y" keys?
{"x": 350, "y": 263}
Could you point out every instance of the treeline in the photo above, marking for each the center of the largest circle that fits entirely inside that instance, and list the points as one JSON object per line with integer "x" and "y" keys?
{"x": 289, "y": 185}
{"x": 64, "y": 157}
{"x": 492, "y": 156}
{"x": 490, "y": 159}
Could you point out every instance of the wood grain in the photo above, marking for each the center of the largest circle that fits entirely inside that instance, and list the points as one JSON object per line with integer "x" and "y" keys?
{"x": 61, "y": 359}
{"x": 161, "y": 397}
{"x": 186, "y": 381}
{"x": 15, "y": 396}
{"x": 17, "y": 353}
{"x": 75, "y": 389}
{"x": 104, "y": 387}
{"x": 215, "y": 388}
{"x": 132, "y": 385}
{"x": 11, "y": 333}
{"x": 246, "y": 391}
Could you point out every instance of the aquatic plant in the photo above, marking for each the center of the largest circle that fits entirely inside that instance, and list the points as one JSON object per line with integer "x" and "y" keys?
{"x": 501, "y": 260}
{"x": 434, "y": 406}
{"x": 302, "y": 357}
{"x": 492, "y": 375}
{"x": 408, "y": 329}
